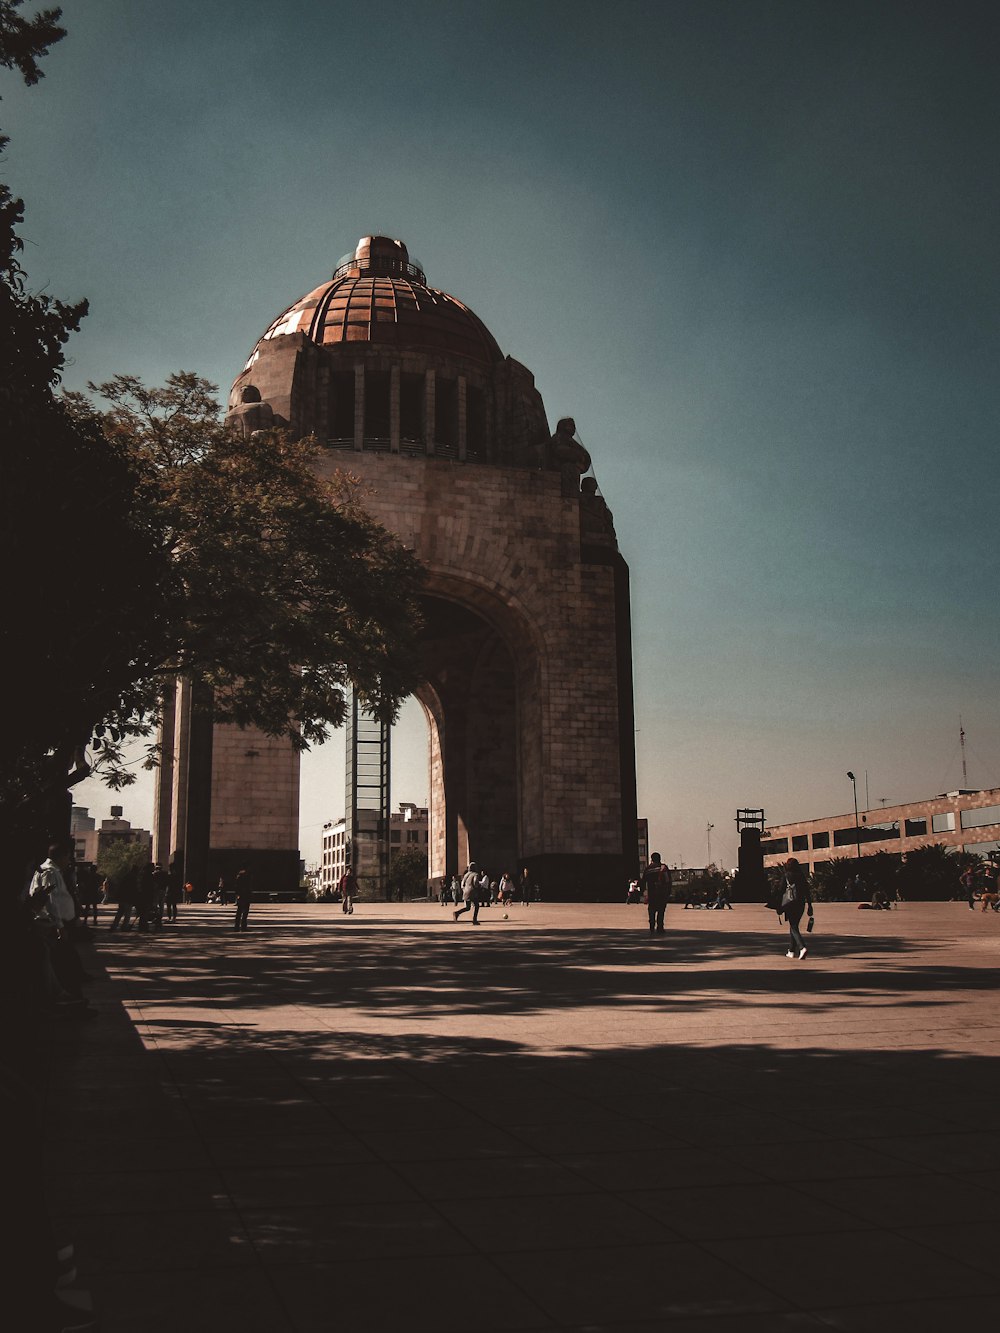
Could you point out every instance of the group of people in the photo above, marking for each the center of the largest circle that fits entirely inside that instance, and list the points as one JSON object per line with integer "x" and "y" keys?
{"x": 981, "y": 883}
{"x": 476, "y": 889}
{"x": 790, "y": 897}
{"x": 147, "y": 897}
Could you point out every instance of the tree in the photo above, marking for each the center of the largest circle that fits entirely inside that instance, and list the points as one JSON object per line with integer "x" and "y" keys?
{"x": 407, "y": 875}
{"x": 276, "y": 590}
{"x": 58, "y": 474}
{"x": 149, "y": 540}
{"x": 120, "y": 859}
{"x": 931, "y": 874}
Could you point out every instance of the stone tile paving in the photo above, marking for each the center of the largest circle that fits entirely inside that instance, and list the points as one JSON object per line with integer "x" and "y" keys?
{"x": 391, "y": 1122}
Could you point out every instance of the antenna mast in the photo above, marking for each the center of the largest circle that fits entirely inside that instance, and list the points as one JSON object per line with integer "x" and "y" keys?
{"x": 961, "y": 741}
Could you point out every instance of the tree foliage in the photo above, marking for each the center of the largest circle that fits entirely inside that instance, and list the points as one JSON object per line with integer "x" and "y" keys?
{"x": 407, "y": 877}
{"x": 120, "y": 859}
{"x": 276, "y": 588}
{"x": 146, "y": 539}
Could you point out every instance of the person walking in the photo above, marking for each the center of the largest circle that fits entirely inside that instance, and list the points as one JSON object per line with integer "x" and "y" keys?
{"x": 470, "y": 894}
{"x": 244, "y": 892}
{"x": 348, "y": 886}
{"x": 795, "y": 899}
{"x": 655, "y": 879}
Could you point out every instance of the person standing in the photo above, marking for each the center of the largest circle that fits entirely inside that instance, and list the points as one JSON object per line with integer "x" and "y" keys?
{"x": 244, "y": 892}
{"x": 53, "y": 904}
{"x": 527, "y": 887}
{"x": 655, "y": 879}
{"x": 967, "y": 879}
{"x": 222, "y": 891}
{"x": 88, "y": 887}
{"x": 348, "y": 886}
{"x": 795, "y": 899}
{"x": 173, "y": 894}
{"x": 470, "y": 894}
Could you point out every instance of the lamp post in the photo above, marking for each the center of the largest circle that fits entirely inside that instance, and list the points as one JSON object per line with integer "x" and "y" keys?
{"x": 857, "y": 829}
{"x": 708, "y": 832}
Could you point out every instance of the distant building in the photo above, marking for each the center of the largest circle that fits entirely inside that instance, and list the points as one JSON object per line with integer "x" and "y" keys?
{"x": 91, "y": 841}
{"x": 643, "y": 831}
{"x": 965, "y": 820}
{"x": 408, "y": 827}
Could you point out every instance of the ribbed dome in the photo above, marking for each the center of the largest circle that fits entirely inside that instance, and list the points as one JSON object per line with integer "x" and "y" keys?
{"x": 379, "y": 295}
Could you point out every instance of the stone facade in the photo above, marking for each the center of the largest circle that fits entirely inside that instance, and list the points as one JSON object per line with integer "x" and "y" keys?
{"x": 527, "y": 651}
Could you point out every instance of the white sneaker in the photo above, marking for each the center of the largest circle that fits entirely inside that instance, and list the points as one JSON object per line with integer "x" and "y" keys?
{"x": 802, "y": 953}
{"x": 789, "y": 954}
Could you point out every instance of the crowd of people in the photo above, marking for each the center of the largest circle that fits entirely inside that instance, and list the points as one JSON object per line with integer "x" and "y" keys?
{"x": 476, "y": 889}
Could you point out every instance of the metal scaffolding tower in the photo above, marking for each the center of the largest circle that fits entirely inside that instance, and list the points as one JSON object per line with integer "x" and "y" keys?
{"x": 367, "y": 795}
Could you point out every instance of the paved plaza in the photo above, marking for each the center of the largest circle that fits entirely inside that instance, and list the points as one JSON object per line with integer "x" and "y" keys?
{"x": 392, "y": 1122}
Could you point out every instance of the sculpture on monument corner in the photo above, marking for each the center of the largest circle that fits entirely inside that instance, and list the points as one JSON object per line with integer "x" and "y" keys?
{"x": 568, "y": 456}
{"x": 596, "y": 518}
{"x": 252, "y": 414}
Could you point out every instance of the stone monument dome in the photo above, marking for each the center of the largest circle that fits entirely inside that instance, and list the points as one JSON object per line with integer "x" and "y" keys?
{"x": 379, "y": 295}
{"x": 376, "y": 360}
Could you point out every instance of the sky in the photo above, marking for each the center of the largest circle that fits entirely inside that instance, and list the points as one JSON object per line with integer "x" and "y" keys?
{"x": 750, "y": 246}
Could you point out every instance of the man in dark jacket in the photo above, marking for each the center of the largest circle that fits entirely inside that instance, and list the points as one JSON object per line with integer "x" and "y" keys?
{"x": 656, "y": 882}
{"x": 244, "y": 892}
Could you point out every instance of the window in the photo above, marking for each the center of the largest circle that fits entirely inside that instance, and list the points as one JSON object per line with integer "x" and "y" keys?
{"x": 412, "y": 835}
{"x": 800, "y": 842}
{"x": 986, "y": 814}
{"x": 943, "y": 823}
{"x": 773, "y": 846}
{"x": 915, "y": 827}
{"x": 394, "y": 835}
{"x": 821, "y": 840}
{"x": 846, "y": 837}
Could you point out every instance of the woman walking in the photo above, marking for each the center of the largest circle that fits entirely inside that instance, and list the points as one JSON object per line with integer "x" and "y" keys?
{"x": 795, "y": 900}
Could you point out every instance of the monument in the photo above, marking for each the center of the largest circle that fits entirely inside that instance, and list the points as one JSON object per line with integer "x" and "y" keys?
{"x": 527, "y": 647}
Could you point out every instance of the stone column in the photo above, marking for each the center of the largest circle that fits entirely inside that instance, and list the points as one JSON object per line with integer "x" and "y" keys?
{"x": 163, "y": 820}
{"x": 394, "y": 409}
{"x": 429, "y": 409}
{"x": 359, "y": 407}
{"x": 462, "y": 434}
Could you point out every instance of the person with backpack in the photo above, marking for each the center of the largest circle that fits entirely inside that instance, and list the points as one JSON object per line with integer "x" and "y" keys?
{"x": 655, "y": 880}
{"x": 795, "y": 899}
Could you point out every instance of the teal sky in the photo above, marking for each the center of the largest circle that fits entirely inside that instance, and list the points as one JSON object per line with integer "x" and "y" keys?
{"x": 751, "y": 247}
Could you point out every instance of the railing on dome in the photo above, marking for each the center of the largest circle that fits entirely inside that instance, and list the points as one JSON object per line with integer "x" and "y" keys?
{"x": 381, "y": 266}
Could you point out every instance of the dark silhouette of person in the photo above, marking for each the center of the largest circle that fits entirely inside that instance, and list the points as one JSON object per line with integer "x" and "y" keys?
{"x": 795, "y": 899}
{"x": 244, "y": 892}
{"x": 655, "y": 880}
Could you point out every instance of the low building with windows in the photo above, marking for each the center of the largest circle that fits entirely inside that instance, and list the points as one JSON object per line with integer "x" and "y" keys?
{"x": 90, "y": 841}
{"x": 966, "y": 820}
{"x": 409, "y": 826}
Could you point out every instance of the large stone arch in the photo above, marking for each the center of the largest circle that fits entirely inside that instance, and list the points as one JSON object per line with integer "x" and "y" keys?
{"x": 528, "y": 688}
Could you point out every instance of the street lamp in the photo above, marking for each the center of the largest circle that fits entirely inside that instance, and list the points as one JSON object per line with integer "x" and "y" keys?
{"x": 857, "y": 829}
{"x": 709, "y": 833}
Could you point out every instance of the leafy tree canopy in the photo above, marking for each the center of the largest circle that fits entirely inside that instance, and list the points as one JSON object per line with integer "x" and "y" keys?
{"x": 407, "y": 877}
{"x": 121, "y": 859}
